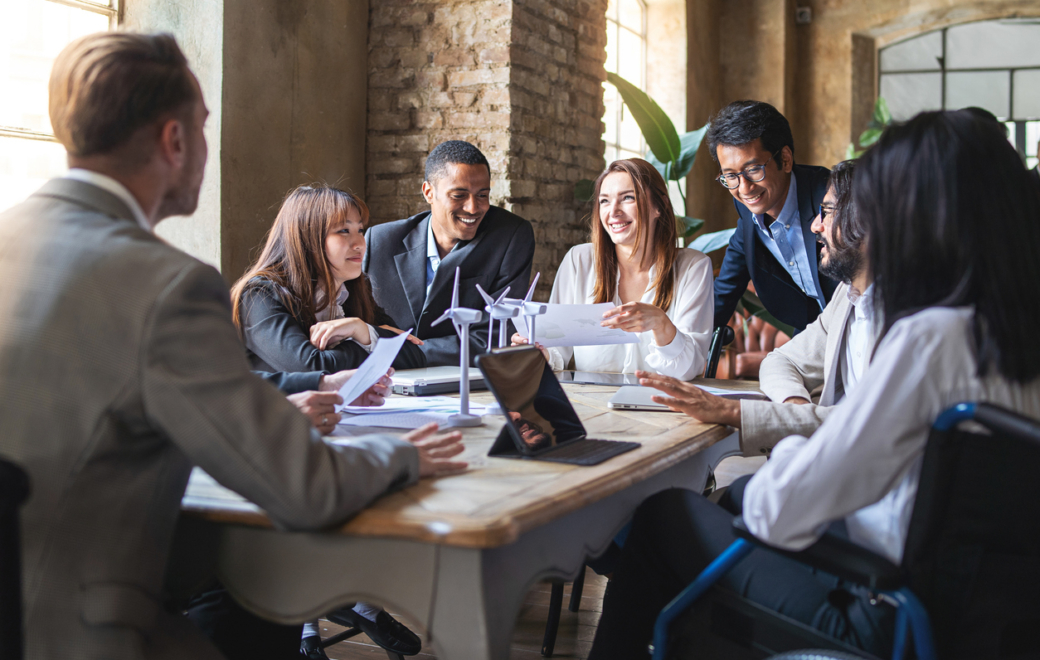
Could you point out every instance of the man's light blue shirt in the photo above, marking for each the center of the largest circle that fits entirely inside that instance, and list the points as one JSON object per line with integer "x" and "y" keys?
{"x": 787, "y": 243}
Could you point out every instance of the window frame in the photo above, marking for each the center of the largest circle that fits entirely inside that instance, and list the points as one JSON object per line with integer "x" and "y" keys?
{"x": 614, "y": 144}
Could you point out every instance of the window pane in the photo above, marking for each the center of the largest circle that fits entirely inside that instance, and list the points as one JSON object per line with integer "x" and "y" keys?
{"x": 25, "y": 165}
{"x": 630, "y": 14}
{"x": 993, "y": 44}
{"x": 919, "y": 53}
{"x": 910, "y": 93}
{"x": 631, "y": 136}
{"x": 1027, "y": 95}
{"x": 612, "y": 45}
{"x": 32, "y": 34}
{"x": 612, "y": 9}
{"x": 985, "y": 89}
{"x": 610, "y": 115}
{"x": 1032, "y": 137}
{"x": 630, "y": 57}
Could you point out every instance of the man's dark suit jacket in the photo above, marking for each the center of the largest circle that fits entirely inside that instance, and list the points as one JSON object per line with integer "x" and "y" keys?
{"x": 498, "y": 256}
{"x": 1035, "y": 172}
{"x": 747, "y": 258}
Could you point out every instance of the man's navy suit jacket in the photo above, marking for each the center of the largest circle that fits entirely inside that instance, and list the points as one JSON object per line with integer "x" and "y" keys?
{"x": 499, "y": 255}
{"x": 748, "y": 258}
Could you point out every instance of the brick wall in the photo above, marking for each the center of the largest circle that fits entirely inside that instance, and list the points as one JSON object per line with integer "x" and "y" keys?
{"x": 520, "y": 79}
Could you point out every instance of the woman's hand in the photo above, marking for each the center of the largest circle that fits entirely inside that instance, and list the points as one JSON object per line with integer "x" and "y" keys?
{"x": 436, "y": 450}
{"x": 326, "y": 334}
{"x": 692, "y": 400}
{"x": 412, "y": 338}
{"x": 320, "y": 408}
{"x": 518, "y": 340}
{"x": 641, "y": 317}
{"x": 373, "y": 396}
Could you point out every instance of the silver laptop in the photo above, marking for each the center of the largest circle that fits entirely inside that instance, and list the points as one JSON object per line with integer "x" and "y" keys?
{"x": 434, "y": 380}
{"x": 636, "y": 397}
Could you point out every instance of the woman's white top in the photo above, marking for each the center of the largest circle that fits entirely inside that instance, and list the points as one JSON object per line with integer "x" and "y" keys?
{"x": 863, "y": 463}
{"x": 335, "y": 311}
{"x": 692, "y": 312}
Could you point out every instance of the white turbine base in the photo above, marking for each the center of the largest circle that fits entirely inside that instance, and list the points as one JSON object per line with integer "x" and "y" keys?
{"x": 494, "y": 409}
{"x": 458, "y": 419}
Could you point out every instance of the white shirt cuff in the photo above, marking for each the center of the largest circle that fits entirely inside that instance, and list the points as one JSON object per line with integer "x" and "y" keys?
{"x": 373, "y": 337}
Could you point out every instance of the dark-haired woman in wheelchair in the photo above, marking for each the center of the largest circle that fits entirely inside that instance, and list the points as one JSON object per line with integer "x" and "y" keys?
{"x": 953, "y": 237}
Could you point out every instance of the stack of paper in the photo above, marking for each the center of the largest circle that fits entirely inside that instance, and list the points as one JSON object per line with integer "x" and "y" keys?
{"x": 406, "y": 412}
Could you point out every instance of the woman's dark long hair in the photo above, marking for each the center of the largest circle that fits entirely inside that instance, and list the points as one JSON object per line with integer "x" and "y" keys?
{"x": 954, "y": 220}
{"x": 294, "y": 256}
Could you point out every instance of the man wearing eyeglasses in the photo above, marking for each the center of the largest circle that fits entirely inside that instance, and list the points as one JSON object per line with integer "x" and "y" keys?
{"x": 776, "y": 199}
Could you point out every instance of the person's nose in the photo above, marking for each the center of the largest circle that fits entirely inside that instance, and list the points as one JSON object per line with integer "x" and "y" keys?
{"x": 471, "y": 206}
{"x": 817, "y": 225}
{"x": 743, "y": 185}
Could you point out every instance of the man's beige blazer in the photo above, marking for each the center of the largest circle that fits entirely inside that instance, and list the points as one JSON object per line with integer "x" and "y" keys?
{"x": 119, "y": 370}
{"x": 809, "y": 361}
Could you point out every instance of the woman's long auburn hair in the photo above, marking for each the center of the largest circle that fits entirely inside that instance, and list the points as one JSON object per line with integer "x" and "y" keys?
{"x": 294, "y": 257}
{"x": 651, "y": 193}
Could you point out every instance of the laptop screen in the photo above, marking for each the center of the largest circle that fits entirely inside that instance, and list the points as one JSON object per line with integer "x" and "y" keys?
{"x": 536, "y": 408}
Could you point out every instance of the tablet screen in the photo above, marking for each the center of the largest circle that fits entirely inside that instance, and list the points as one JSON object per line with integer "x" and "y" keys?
{"x": 535, "y": 406}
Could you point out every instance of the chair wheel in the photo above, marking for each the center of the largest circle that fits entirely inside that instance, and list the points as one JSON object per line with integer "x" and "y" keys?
{"x": 815, "y": 654}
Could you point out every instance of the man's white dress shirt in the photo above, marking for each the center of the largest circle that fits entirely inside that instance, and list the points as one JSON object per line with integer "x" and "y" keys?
{"x": 109, "y": 184}
{"x": 692, "y": 312}
{"x": 863, "y": 463}
{"x": 860, "y": 335}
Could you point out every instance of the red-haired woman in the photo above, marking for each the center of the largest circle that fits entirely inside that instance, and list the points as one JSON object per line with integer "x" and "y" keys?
{"x": 660, "y": 291}
{"x": 282, "y": 305}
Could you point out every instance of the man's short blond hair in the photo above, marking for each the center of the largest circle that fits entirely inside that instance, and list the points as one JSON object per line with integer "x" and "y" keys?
{"x": 106, "y": 86}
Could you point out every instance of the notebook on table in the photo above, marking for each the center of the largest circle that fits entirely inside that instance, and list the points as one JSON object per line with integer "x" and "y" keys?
{"x": 540, "y": 422}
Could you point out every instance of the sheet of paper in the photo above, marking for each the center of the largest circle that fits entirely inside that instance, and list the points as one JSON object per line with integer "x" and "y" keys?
{"x": 414, "y": 404}
{"x": 373, "y": 368}
{"x": 579, "y": 325}
{"x": 399, "y": 420}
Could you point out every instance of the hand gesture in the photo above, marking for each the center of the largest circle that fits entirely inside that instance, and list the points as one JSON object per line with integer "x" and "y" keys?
{"x": 436, "y": 450}
{"x": 688, "y": 398}
{"x": 518, "y": 340}
{"x": 412, "y": 338}
{"x": 320, "y": 407}
{"x": 641, "y": 317}
{"x": 326, "y": 334}
{"x": 373, "y": 396}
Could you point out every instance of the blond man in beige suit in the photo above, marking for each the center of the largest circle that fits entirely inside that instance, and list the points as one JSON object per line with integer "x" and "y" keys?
{"x": 120, "y": 369}
{"x": 826, "y": 358}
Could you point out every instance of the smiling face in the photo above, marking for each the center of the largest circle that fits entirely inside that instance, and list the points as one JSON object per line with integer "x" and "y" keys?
{"x": 458, "y": 200}
{"x": 767, "y": 195}
{"x": 618, "y": 210}
{"x": 345, "y": 247}
{"x": 837, "y": 260}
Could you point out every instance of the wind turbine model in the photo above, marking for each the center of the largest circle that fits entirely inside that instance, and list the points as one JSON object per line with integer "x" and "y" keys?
{"x": 498, "y": 311}
{"x": 529, "y": 309}
{"x": 462, "y": 318}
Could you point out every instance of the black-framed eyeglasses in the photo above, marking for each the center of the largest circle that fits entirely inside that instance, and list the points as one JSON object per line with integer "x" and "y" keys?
{"x": 754, "y": 174}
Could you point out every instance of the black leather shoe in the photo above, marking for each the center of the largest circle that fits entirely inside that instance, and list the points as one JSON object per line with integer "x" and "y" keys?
{"x": 310, "y": 648}
{"x": 386, "y": 631}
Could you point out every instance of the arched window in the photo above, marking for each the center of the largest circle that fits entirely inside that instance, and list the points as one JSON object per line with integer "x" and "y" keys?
{"x": 990, "y": 64}
{"x": 626, "y": 56}
{"x": 32, "y": 34}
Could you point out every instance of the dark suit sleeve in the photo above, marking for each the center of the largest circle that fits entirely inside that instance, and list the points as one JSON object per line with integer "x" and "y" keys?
{"x": 292, "y": 382}
{"x": 411, "y": 356}
{"x": 514, "y": 272}
{"x": 277, "y": 338}
{"x": 733, "y": 278}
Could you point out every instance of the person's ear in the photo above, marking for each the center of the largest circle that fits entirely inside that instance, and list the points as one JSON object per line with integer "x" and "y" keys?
{"x": 173, "y": 143}
{"x": 787, "y": 158}
{"x": 427, "y": 192}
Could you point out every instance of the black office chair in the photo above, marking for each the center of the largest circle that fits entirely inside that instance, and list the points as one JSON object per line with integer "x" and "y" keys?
{"x": 14, "y": 490}
{"x": 971, "y": 563}
{"x": 332, "y": 640}
{"x": 720, "y": 339}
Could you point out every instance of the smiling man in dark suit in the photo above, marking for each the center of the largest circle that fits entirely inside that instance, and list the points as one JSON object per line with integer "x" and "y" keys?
{"x": 411, "y": 263}
{"x": 777, "y": 201}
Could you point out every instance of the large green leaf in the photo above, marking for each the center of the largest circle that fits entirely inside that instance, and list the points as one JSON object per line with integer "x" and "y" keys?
{"x": 657, "y": 128}
{"x": 869, "y": 136}
{"x": 714, "y": 241}
{"x": 584, "y": 189}
{"x": 689, "y": 143}
{"x": 882, "y": 115}
{"x": 688, "y": 226}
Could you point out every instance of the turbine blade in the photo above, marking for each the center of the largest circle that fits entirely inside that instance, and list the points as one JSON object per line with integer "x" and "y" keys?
{"x": 483, "y": 294}
{"x": 500, "y": 298}
{"x": 530, "y": 292}
{"x": 455, "y": 290}
{"x": 443, "y": 317}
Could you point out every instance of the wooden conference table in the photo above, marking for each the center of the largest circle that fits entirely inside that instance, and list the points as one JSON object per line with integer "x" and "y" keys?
{"x": 458, "y": 553}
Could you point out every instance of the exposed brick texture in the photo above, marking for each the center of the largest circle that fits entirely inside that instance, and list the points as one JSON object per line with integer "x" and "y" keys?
{"x": 521, "y": 79}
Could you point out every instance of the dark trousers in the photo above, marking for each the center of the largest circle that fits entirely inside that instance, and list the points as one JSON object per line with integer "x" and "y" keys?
{"x": 239, "y": 634}
{"x": 676, "y": 534}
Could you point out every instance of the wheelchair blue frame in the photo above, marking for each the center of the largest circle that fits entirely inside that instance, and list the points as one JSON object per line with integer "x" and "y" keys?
{"x": 911, "y": 616}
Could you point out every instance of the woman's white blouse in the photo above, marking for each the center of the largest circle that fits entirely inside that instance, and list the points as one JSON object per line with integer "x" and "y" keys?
{"x": 692, "y": 312}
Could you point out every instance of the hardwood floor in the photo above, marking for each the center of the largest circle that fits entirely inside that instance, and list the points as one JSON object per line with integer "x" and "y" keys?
{"x": 576, "y": 628}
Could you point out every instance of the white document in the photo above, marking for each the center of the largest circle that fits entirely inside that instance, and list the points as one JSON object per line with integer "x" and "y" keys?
{"x": 373, "y": 368}
{"x": 400, "y": 420}
{"x": 579, "y": 325}
{"x": 395, "y": 404}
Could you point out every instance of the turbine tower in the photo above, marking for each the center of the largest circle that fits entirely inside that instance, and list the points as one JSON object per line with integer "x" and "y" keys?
{"x": 462, "y": 318}
{"x": 500, "y": 311}
{"x": 529, "y": 309}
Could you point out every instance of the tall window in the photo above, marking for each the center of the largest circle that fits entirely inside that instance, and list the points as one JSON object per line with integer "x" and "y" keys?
{"x": 991, "y": 64}
{"x": 32, "y": 33}
{"x": 626, "y": 56}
